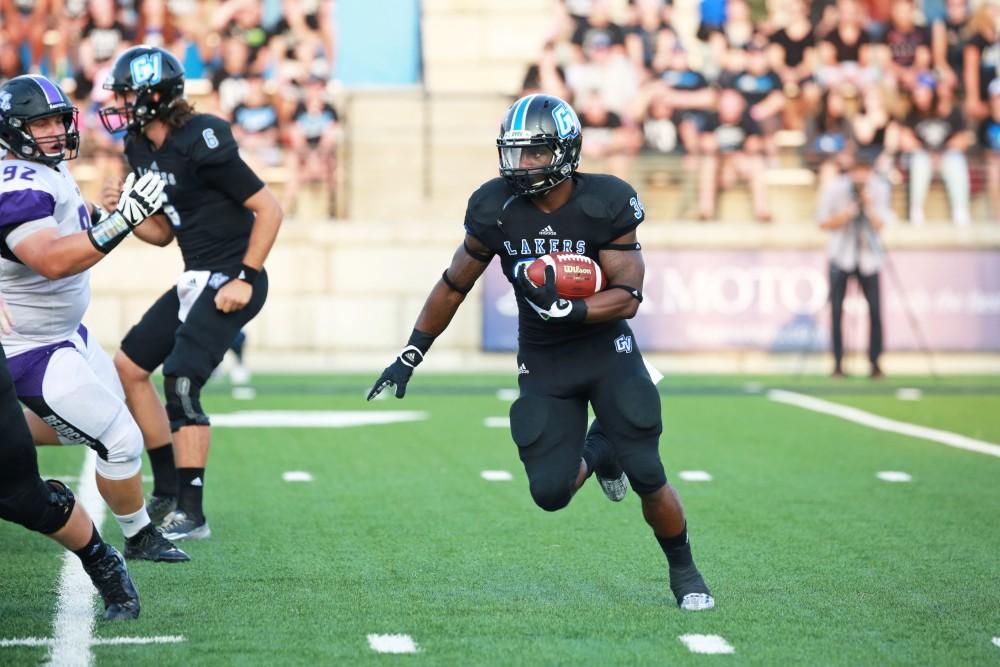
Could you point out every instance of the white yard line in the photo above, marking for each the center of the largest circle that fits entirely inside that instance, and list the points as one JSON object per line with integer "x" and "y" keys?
{"x": 313, "y": 418}
{"x": 996, "y": 642}
{"x": 110, "y": 641}
{"x": 894, "y": 476}
{"x": 297, "y": 476}
{"x": 497, "y": 422}
{"x": 883, "y": 423}
{"x": 695, "y": 476}
{"x": 707, "y": 644}
{"x": 392, "y": 643}
{"x": 73, "y": 627}
{"x": 496, "y": 475}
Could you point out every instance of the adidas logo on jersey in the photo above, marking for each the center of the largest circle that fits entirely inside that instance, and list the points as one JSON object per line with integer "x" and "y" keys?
{"x": 548, "y": 231}
{"x": 523, "y": 370}
{"x": 154, "y": 166}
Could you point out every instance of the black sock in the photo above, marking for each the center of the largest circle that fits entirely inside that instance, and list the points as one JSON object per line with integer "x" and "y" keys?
{"x": 190, "y": 488}
{"x": 95, "y": 549}
{"x": 164, "y": 471}
{"x": 595, "y": 447}
{"x": 677, "y": 549}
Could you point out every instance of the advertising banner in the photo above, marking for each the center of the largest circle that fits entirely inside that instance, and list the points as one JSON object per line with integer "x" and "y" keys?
{"x": 704, "y": 300}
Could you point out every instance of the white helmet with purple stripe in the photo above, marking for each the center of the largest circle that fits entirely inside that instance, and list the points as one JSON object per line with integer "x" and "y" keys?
{"x": 28, "y": 98}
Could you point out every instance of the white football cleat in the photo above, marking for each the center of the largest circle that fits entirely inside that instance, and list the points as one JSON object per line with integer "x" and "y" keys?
{"x": 614, "y": 488}
{"x": 697, "y": 602}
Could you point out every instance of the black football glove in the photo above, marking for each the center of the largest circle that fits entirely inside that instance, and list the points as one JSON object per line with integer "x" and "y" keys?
{"x": 545, "y": 300}
{"x": 398, "y": 373}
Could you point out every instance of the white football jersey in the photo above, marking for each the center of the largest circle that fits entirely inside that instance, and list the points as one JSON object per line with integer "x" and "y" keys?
{"x": 33, "y": 197}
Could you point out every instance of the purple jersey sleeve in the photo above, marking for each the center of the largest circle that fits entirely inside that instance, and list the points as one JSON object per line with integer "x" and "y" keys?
{"x": 20, "y": 206}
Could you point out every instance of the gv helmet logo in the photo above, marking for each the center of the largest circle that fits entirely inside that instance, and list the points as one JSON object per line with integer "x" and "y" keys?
{"x": 567, "y": 124}
{"x": 147, "y": 69}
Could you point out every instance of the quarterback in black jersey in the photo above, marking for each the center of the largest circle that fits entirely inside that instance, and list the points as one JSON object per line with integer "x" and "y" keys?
{"x": 571, "y": 353}
{"x": 225, "y": 221}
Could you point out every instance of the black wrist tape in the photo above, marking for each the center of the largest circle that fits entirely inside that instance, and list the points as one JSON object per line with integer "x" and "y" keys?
{"x": 247, "y": 274}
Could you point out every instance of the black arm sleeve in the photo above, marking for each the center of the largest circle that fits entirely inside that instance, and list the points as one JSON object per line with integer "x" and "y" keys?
{"x": 233, "y": 177}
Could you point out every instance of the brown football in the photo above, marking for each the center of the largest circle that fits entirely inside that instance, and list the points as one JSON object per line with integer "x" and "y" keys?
{"x": 577, "y": 276}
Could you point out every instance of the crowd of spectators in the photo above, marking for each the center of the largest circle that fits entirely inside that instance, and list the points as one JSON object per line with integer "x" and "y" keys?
{"x": 268, "y": 72}
{"x": 912, "y": 83}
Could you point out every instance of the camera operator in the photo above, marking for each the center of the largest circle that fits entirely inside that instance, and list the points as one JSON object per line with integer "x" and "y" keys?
{"x": 854, "y": 207}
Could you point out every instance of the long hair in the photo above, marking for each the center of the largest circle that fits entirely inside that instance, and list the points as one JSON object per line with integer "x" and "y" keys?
{"x": 179, "y": 113}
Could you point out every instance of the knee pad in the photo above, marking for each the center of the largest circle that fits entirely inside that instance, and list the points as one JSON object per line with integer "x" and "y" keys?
{"x": 549, "y": 435}
{"x": 528, "y": 418}
{"x": 122, "y": 455}
{"x": 634, "y": 427}
{"x": 184, "y": 402}
{"x": 639, "y": 406}
{"x": 44, "y": 507}
{"x": 551, "y": 493}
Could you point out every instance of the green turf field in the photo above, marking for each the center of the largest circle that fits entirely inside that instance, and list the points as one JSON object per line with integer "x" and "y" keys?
{"x": 812, "y": 558}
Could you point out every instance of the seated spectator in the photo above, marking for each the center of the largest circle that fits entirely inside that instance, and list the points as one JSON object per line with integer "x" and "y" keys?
{"x": 793, "y": 57}
{"x": 10, "y": 60}
{"x": 948, "y": 43}
{"x": 651, "y": 40}
{"x": 104, "y": 37}
{"x": 935, "y": 138}
{"x": 982, "y": 56}
{"x": 313, "y": 138}
{"x": 255, "y": 126}
{"x": 690, "y": 97}
{"x": 828, "y": 138}
{"x": 242, "y": 20}
{"x": 761, "y": 88}
{"x": 989, "y": 140}
{"x": 655, "y": 114}
{"x": 739, "y": 29}
{"x": 229, "y": 77}
{"x": 845, "y": 56}
{"x": 25, "y": 23}
{"x": 305, "y": 34}
{"x": 606, "y": 70}
{"x": 598, "y": 24}
{"x": 546, "y": 76}
{"x": 909, "y": 45}
{"x": 732, "y": 146}
{"x": 606, "y": 138}
{"x": 874, "y": 132}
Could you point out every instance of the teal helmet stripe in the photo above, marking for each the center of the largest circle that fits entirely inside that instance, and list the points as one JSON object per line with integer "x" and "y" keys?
{"x": 521, "y": 113}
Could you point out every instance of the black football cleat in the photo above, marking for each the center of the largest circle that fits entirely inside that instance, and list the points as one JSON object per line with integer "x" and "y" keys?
{"x": 150, "y": 544}
{"x": 159, "y": 507}
{"x": 690, "y": 589}
{"x": 609, "y": 474}
{"x": 112, "y": 581}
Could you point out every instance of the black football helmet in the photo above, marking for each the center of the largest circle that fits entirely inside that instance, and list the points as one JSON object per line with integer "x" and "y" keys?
{"x": 539, "y": 144}
{"x": 25, "y": 99}
{"x": 156, "y": 78}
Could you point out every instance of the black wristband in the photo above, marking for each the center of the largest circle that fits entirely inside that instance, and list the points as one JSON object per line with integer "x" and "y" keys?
{"x": 108, "y": 233}
{"x": 579, "y": 312}
{"x": 420, "y": 340}
{"x": 247, "y": 274}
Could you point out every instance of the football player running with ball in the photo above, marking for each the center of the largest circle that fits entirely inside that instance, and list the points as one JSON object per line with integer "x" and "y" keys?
{"x": 49, "y": 239}
{"x": 225, "y": 221}
{"x": 570, "y": 352}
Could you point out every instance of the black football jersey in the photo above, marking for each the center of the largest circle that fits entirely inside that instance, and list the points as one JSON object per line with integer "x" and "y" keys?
{"x": 601, "y": 209}
{"x": 206, "y": 185}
